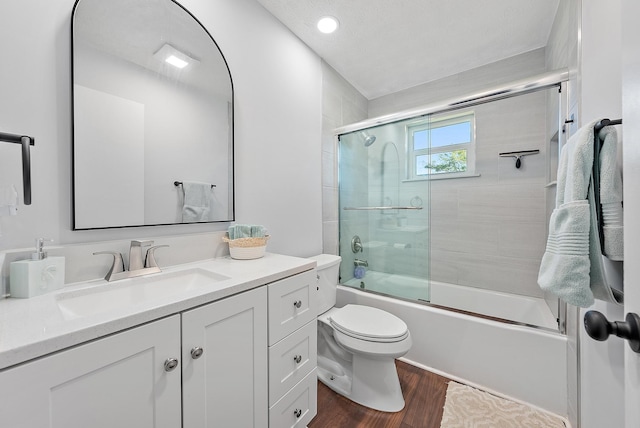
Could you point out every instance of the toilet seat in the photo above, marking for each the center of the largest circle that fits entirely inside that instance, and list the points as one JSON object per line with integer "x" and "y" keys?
{"x": 368, "y": 324}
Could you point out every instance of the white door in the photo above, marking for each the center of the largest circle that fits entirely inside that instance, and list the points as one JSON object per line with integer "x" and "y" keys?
{"x": 631, "y": 167}
{"x": 118, "y": 381}
{"x": 224, "y": 371}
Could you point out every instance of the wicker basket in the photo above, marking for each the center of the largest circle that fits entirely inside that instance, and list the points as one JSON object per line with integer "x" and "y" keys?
{"x": 246, "y": 248}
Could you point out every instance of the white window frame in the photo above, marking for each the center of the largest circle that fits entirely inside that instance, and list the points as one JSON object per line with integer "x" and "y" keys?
{"x": 430, "y": 123}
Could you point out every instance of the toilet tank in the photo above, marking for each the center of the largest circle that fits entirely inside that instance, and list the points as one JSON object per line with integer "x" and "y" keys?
{"x": 328, "y": 277}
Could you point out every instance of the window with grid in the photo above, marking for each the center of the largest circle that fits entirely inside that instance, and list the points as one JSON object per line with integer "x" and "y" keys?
{"x": 442, "y": 147}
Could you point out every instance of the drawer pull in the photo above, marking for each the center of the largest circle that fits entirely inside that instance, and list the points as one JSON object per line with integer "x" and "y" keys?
{"x": 297, "y": 359}
{"x": 297, "y": 412}
{"x": 170, "y": 364}
{"x": 196, "y": 352}
{"x": 297, "y": 304}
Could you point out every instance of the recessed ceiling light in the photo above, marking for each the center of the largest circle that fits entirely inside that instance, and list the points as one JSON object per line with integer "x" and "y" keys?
{"x": 327, "y": 24}
{"x": 173, "y": 56}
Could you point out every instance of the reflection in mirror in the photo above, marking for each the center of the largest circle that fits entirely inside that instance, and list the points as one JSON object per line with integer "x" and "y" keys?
{"x": 153, "y": 105}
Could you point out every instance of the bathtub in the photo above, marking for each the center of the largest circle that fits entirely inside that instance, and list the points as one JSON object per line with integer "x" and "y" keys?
{"x": 516, "y": 361}
{"x": 521, "y": 309}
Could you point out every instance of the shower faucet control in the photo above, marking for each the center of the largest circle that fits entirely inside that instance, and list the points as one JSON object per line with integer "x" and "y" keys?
{"x": 358, "y": 262}
{"x": 356, "y": 244}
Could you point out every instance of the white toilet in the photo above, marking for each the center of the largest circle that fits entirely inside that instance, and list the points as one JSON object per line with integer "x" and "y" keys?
{"x": 358, "y": 345}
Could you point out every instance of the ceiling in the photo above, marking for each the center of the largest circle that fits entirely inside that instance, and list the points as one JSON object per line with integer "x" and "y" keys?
{"x": 134, "y": 30}
{"x": 384, "y": 46}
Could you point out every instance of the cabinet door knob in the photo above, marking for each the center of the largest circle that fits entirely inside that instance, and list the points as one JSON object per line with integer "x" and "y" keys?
{"x": 297, "y": 303}
{"x": 170, "y": 364}
{"x": 196, "y": 352}
{"x": 297, "y": 358}
{"x": 297, "y": 412}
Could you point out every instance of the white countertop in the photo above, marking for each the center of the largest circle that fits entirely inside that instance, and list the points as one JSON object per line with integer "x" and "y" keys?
{"x": 31, "y": 328}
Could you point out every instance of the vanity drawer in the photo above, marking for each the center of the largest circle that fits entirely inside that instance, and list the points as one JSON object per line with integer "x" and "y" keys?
{"x": 291, "y": 359}
{"x": 292, "y": 304}
{"x": 298, "y": 407}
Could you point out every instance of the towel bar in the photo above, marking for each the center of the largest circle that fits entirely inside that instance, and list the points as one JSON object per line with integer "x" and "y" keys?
{"x": 179, "y": 183}
{"x": 25, "y": 141}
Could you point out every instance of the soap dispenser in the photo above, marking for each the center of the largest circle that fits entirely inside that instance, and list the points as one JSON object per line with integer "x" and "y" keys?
{"x": 39, "y": 275}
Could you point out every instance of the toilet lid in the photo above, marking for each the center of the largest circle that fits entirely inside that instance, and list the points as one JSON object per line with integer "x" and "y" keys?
{"x": 367, "y": 323}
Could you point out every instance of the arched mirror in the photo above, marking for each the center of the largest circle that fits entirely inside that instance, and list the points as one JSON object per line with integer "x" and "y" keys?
{"x": 153, "y": 117}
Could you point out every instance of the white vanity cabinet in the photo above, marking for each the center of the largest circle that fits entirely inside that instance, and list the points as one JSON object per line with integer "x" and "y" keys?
{"x": 224, "y": 363}
{"x": 116, "y": 381}
{"x": 247, "y": 360}
{"x": 293, "y": 350}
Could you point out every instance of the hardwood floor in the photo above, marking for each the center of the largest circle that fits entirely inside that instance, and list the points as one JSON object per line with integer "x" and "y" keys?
{"x": 424, "y": 394}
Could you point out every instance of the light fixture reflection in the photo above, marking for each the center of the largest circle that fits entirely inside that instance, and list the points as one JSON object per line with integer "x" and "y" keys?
{"x": 173, "y": 56}
{"x": 328, "y": 24}
{"x": 176, "y": 62}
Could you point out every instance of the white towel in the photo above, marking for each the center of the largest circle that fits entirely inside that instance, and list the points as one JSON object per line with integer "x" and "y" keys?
{"x": 197, "y": 201}
{"x": 611, "y": 195}
{"x": 565, "y": 266}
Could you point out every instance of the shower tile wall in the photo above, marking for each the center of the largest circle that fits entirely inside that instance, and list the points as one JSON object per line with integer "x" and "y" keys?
{"x": 342, "y": 104}
{"x": 488, "y": 231}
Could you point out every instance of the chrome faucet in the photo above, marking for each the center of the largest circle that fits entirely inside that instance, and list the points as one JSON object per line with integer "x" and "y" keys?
{"x": 136, "y": 261}
{"x": 138, "y": 265}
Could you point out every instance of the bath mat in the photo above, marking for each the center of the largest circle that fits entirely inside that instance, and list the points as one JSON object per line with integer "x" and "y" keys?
{"x": 467, "y": 407}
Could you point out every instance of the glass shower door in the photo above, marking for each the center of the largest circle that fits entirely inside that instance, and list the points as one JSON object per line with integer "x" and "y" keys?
{"x": 384, "y": 217}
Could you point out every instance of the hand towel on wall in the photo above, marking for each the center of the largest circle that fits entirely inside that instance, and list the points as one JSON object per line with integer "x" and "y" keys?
{"x": 565, "y": 266}
{"x": 197, "y": 201}
{"x": 611, "y": 195}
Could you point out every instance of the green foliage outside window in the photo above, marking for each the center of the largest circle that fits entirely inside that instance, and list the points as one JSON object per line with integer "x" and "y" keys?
{"x": 455, "y": 161}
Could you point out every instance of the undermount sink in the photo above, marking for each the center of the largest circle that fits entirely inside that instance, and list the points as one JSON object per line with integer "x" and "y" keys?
{"x": 129, "y": 292}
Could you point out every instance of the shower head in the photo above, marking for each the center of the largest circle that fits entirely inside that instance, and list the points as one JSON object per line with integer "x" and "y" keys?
{"x": 367, "y": 138}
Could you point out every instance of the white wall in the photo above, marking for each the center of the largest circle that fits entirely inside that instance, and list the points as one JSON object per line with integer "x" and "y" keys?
{"x": 109, "y": 164}
{"x": 277, "y": 83}
{"x": 631, "y": 165}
